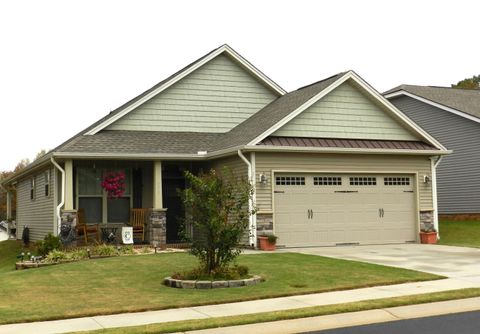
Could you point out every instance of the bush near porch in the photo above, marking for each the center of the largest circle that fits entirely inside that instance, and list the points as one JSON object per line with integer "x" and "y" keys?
{"x": 464, "y": 233}
{"x": 129, "y": 284}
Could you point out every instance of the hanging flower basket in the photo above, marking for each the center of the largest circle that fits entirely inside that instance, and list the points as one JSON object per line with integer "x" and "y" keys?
{"x": 114, "y": 184}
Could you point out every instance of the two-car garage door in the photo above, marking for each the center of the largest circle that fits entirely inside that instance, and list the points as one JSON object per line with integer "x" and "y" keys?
{"x": 321, "y": 209}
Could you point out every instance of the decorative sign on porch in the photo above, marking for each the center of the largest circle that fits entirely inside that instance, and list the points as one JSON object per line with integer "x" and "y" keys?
{"x": 114, "y": 184}
{"x": 127, "y": 235}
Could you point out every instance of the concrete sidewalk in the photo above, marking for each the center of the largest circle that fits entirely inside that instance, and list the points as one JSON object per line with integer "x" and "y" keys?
{"x": 240, "y": 308}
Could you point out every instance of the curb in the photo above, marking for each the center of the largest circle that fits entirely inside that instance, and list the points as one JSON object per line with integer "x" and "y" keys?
{"x": 341, "y": 320}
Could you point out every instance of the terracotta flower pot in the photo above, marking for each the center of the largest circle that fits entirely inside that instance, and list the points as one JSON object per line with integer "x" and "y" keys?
{"x": 266, "y": 245}
{"x": 428, "y": 237}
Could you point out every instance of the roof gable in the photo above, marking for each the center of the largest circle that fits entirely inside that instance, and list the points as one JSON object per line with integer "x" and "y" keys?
{"x": 368, "y": 91}
{"x": 175, "y": 78}
{"x": 214, "y": 98}
{"x": 346, "y": 112}
{"x": 462, "y": 102}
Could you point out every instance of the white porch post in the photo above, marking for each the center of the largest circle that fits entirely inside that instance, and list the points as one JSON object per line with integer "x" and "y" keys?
{"x": 68, "y": 185}
{"x": 9, "y": 204}
{"x": 157, "y": 185}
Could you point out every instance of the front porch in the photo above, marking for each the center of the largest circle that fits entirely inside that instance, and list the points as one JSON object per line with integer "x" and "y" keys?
{"x": 149, "y": 188}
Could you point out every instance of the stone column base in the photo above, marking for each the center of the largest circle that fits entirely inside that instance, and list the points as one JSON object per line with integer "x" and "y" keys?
{"x": 157, "y": 228}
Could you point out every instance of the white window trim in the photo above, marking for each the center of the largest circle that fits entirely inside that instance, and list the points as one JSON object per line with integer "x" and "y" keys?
{"x": 103, "y": 196}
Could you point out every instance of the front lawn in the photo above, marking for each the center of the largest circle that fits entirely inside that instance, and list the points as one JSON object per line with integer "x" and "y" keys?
{"x": 460, "y": 233}
{"x": 9, "y": 249}
{"x": 134, "y": 283}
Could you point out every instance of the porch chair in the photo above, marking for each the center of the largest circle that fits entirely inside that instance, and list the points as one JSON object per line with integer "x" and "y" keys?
{"x": 138, "y": 222}
{"x": 84, "y": 229}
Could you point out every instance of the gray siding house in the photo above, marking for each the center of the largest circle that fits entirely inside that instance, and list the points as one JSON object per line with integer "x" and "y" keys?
{"x": 331, "y": 163}
{"x": 452, "y": 116}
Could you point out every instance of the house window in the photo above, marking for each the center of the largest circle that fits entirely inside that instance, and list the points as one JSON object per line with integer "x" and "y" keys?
{"x": 47, "y": 183}
{"x": 327, "y": 180}
{"x": 94, "y": 200}
{"x": 90, "y": 194}
{"x": 363, "y": 181}
{"x": 290, "y": 180}
{"x": 396, "y": 181}
{"x": 32, "y": 188}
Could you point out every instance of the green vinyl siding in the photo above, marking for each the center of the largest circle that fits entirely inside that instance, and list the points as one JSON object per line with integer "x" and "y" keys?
{"x": 214, "y": 98}
{"x": 345, "y": 113}
{"x": 38, "y": 213}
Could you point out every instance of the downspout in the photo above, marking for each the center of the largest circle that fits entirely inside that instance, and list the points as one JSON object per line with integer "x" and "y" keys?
{"x": 62, "y": 202}
{"x": 252, "y": 228}
{"x": 434, "y": 165}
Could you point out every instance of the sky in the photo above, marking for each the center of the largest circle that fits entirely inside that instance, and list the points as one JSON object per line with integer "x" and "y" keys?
{"x": 65, "y": 64}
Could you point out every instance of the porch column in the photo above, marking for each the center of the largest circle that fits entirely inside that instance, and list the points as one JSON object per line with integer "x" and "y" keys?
{"x": 157, "y": 185}
{"x": 158, "y": 216}
{"x": 68, "y": 185}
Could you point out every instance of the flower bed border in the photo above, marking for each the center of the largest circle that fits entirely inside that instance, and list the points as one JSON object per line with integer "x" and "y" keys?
{"x": 191, "y": 284}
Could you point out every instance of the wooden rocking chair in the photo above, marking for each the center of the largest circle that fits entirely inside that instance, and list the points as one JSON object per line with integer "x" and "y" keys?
{"x": 138, "y": 222}
{"x": 84, "y": 229}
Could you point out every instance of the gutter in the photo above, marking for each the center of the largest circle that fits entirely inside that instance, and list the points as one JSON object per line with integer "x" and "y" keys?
{"x": 62, "y": 202}
{"x": 252, "y": 235}
{"x": 434, "y": 165}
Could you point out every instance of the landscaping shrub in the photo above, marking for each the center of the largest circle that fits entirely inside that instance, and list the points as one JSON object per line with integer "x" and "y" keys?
{"x": 56, "y": 256}
{"x": 49, "y": 243}
{"x": 126, "y": 250}
{"x": 221, "y": 273}
{"x": 104, "y": 250}
{"x": 217, "y": 208}
{"x": 78, "y": 254}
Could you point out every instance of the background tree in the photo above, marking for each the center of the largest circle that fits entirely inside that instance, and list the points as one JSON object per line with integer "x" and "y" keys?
{"x": 12, "y": 189}
{"x": 40, "y": 154}
{"x": 469, "y": 83}
{"x": 217, "y": 209}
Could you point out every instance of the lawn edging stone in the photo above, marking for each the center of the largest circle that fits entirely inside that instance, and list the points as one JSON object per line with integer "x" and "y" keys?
{"x": 191, "y": 284}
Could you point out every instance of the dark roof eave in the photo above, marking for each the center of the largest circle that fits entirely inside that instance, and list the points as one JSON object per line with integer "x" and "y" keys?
{"x": 345, "y": 150}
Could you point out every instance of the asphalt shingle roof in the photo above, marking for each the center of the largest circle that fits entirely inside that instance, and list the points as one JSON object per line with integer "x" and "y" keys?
{"x": 464, "y": 100}
{"x": 142, "y": 142}
{"x": 274, "y": 112}
{"x": 118, "y": 142}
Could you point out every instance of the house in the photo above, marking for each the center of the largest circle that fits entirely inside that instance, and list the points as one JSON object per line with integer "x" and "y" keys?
{"x": 332, "y": 163}
{"x": 452, "y": 116}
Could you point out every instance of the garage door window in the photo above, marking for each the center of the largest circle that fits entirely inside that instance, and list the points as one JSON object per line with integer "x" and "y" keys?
{"x": 290, "y": 180}
{"x": 396, "y": 181}
{"x": 327, "y": 180}
{"x": 363, "y": 181}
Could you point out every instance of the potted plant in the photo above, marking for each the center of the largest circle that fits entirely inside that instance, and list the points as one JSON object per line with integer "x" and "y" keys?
{"x": 267, "y": 242}
{"x": 428, "y": 235}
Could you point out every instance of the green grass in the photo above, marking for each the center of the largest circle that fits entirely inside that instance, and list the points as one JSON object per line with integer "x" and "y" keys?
{"x": 460, "y": 233}
{"x": 184, "y": 326}
{"x": 9, "y": 249}
{"x": 134, "y": 283}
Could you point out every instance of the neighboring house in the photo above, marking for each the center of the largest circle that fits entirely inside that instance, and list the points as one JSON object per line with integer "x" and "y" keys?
{"x": 452, "y": 116}
{"x": 332, "y": 163}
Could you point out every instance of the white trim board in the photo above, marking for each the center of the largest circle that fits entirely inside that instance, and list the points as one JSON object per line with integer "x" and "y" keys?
{"x": 369, "y": 90}
{"x": 433, "y": 104}
{"x": 223, "y": 49}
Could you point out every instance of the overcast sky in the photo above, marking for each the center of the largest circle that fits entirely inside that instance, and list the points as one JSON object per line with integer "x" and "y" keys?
{"x": 65, "y": 64}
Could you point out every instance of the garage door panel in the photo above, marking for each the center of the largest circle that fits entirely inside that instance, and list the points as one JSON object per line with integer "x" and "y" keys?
{"x": 357, "y": 209}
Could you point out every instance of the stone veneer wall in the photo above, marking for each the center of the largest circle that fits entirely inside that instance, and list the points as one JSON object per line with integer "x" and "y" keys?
{"x": 157, "y": 228}
{"x": 264, "y": 224}
{"x": 426, "y": 219}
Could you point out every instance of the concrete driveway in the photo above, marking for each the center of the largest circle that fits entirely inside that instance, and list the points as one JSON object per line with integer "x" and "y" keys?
{"x": 454, "y": 262}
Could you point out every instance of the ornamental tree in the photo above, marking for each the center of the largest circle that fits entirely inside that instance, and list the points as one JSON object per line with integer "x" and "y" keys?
{"x": 216, "y": 208}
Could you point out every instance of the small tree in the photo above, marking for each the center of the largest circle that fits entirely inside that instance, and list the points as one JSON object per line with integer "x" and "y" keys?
{"x": 217, "y": 209}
